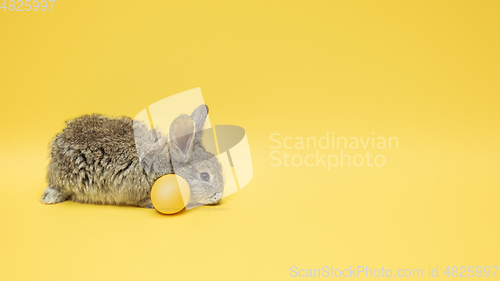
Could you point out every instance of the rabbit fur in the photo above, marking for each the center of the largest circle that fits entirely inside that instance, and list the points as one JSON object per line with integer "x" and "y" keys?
{"x": 115, "y": 161}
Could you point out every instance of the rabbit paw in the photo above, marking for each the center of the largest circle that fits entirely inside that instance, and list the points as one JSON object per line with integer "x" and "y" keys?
{"x": 52, "y": 196}
{"x": 147, "y": 204}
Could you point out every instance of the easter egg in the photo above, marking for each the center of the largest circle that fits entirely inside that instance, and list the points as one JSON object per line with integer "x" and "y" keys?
{"x": 170, "y": 194}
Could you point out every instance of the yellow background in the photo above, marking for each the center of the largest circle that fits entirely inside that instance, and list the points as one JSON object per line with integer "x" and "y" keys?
{"x": 423, "y": 71}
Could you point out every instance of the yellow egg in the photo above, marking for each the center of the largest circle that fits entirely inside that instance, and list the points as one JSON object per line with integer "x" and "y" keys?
{"x": 170, "y": 194}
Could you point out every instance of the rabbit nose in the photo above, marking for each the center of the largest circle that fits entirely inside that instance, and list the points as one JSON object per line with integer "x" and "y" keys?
{"x": 217, "y": 197}
{"x": 215, "y": 202}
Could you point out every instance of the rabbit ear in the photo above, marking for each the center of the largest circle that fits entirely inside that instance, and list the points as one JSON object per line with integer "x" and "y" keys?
{"x": 199, "y": 116}
{"x": 182, "y": 137}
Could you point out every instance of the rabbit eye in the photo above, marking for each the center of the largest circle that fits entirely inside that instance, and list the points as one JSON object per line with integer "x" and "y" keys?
{"x": 205, "y": 176}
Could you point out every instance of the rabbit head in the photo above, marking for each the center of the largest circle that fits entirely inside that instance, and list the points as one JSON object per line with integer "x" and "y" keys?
{"x": 190, "y": 160}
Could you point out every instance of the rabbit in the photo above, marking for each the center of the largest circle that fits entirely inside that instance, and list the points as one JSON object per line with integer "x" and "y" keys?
{"x": 95, "y": 159}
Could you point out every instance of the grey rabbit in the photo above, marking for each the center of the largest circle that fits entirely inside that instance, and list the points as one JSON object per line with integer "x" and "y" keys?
{"x": 115, "y": 161}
